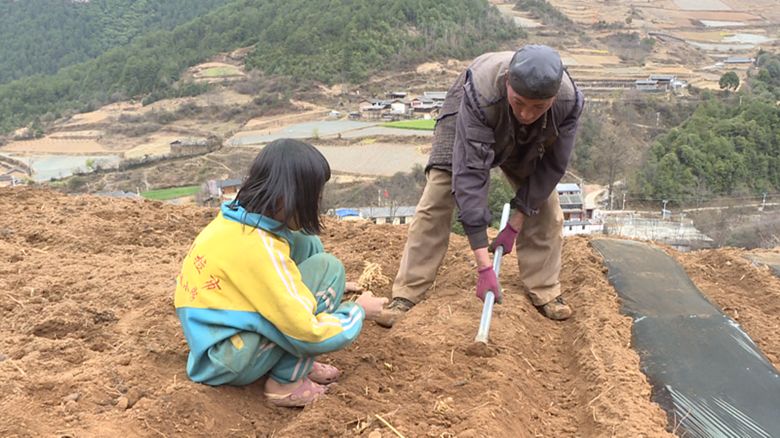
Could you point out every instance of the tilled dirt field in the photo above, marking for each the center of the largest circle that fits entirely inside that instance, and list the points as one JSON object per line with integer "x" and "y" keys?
{"x": 746, "y": 291}
{"x": 90, "y": 345}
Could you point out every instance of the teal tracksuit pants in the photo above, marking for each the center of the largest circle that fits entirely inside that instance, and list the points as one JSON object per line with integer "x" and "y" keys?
{"x": 246, "y": 356}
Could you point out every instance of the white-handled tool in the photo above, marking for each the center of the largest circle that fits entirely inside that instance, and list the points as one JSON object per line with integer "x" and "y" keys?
{"x": 490, "y": 297}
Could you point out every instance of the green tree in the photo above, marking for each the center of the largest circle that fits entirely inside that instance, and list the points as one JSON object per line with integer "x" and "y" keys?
{"x": 729, "y": 81}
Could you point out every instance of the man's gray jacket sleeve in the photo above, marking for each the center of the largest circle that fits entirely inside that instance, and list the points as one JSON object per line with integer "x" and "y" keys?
{"x": 471, "y": 162}
{"x": 551, "y": 167}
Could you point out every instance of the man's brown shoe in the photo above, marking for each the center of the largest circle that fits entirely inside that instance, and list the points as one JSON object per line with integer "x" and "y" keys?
{"x": 556, "y": 309}
{"x": 393, "y": 312}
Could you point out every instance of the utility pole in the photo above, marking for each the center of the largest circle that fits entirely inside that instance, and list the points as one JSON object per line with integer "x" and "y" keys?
{"x": 763, "y": 203}
{"x": 663, "y": 209}
{"x": 624, "y": 202}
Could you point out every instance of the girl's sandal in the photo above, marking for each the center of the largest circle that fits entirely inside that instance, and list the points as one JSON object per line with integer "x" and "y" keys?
{"x": 323, "y": 373}
{"x": 304, "y": 394}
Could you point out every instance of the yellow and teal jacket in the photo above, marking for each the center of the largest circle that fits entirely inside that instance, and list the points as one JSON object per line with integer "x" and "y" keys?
{"x": 238, "y": 276}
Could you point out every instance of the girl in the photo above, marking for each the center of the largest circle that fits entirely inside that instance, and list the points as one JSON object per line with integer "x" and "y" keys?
{"x": 257, "y": 296}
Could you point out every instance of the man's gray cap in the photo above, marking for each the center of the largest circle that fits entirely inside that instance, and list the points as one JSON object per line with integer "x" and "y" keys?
{"x": 535, "y": 72}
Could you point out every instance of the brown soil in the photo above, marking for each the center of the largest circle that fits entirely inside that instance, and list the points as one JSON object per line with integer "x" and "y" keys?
{"x": 90, "y": 345}
{"x": 747, "y": 292}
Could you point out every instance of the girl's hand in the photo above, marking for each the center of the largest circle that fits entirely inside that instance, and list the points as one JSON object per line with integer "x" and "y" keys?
{"x": 352, "y": 286}
{"x": 371, "y": 305}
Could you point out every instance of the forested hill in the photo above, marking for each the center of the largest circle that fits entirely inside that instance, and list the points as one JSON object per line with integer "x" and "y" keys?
{"x": 346, "y": 40}
{"x": 42, "y": 36}
{"x": 729, "y": 146}
{"x": 325, "y": 40}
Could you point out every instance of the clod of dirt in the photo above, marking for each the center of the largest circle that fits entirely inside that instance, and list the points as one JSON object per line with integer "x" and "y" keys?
{"x": 480, "y": 349}
{"x": 122, "y": 403}
{"x": 71, "y": 406}
{"x": 72, "y": 397}
{"x": 133, "y": 395}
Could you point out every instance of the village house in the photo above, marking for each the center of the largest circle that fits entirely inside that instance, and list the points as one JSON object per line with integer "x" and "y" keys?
{"x": 379, "y": 215}
{"x": 221, "y": 190}
{"x": 436, "y": 96}
{"x": 385, "y": 109}
{"x": 119, "y": 194}
{"x": 396, "y": 95}
{"x": 660, "y": 82}
{"x": 647, "y": 85}
{"x": 423, "y": 104}
{"x": 13, "y": 172}
{"x": 9, "y": 180}
{"x": 575, "y": 218}
{"x": 373, "y": 108}
{"x": 398, "y": 107}
{"x": 738, "y": 60}
{"x": 664, "y": 81}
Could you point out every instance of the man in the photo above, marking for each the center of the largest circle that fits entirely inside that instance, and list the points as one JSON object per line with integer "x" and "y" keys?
{"x": 518, "y": 111}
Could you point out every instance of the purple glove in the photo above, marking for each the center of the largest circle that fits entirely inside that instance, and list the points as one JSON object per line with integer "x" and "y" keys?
{"x": 488, "y": 281}
{"x": 506, "y": 239}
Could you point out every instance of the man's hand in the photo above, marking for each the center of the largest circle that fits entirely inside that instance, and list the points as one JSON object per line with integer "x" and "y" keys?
{"x": 505, "y": 239}
{"x": 487, "y": 281}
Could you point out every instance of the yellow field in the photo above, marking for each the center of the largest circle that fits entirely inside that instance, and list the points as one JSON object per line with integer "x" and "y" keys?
{"x": 155, "y": 145}
{"x": 50, "y": 145}
{"x": 664, "y": 14}
{"x": 580, "y": 60}
{"x": 101, "y": 115}
{"x": 705, "y": 37}
{"x": 77, "y": 135}
{"x": 275, "y": 123}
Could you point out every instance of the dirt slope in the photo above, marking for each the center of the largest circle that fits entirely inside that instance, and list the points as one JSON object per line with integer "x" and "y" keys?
{"x": 90, "y": 345}
{"x": 747, "y": 292}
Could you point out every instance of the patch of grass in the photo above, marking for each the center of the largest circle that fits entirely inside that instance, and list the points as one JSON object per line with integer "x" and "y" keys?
{"x": 218, "y": 72}
{"x": 421, "y": 124}
{"x": 172, "y": 193}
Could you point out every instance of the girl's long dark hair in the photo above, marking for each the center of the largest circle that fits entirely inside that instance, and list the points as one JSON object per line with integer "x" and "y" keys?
{"x": 286, "y": 181}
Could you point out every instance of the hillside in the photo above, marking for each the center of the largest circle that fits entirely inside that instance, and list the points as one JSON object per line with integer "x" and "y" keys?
{"x": 300, "y": 38}
{"x": 32, "y": 45}
{"x": 88, "y": 293}
{"x": 729, "y": 146}
{"x": 350, "y": 39}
